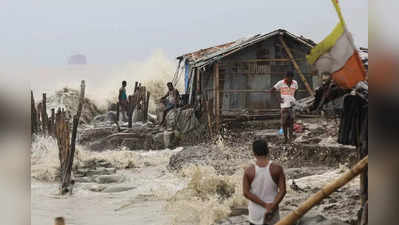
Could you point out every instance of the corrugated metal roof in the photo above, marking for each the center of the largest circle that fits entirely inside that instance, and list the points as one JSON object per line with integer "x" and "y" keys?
{"x": 207, "y": 56}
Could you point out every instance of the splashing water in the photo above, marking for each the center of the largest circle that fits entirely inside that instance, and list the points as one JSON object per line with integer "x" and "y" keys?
{"x": 207, "y": 198}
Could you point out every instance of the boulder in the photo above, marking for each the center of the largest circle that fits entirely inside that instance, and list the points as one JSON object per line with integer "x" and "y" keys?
{"x": 170, "y": 139}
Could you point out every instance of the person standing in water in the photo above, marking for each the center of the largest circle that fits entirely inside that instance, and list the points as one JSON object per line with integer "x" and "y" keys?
{"x": 264, "y": 186}
{"x": 122, "y": 98}
{"x": 287, "y": 89}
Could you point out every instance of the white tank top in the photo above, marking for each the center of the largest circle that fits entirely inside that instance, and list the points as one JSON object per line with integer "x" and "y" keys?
{"x": 265, "y": 188}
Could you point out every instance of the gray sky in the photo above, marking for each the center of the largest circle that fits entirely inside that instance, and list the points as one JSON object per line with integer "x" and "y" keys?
{"x": 46, "y": 32}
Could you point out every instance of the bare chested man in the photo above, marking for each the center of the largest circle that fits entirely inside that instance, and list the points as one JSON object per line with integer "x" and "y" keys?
{"x": 264, "y": 187}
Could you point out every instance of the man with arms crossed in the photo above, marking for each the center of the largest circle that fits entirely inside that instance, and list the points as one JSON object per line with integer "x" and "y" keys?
{"x": 264, "y": 187}
{"x": 287, "y": 89}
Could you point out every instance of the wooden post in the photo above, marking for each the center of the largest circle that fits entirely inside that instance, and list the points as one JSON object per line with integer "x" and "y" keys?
{"x": 147, "y": 102}
{"x": 59, "y": 221}
{"x": 198, "y": 85}
{"x": 66, "y": 179}
{"x": 44, "y": 115}
{"x": 324, "y": 192}
{"x": 117, "y": 112}
{"x": 33, "y": 115}
{"x": 288, "y": 51}
{"x": 39, "y": 117}
{"x": 63, "y": 139}
{"x": 52, "y": 123}
{"x": 208, "y": 109}
{"x": 130, "y": 111}
{"x": 217, "y": 97}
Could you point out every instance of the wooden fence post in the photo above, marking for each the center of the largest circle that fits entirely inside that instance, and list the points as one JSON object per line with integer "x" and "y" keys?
{"x": 147, "y": 102}
{"x": 66, "y": 153}
{"x": 117, "y": 112}
{"x": 44, "y": 115}
{"x": 130, "y": 111}
{"x": 33, "y": 115}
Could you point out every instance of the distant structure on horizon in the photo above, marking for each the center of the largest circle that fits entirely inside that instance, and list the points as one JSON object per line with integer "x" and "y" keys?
{"x": 77, "y": 59}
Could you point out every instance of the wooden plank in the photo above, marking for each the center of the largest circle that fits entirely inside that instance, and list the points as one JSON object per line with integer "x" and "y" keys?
{"x": 288, "y": 51}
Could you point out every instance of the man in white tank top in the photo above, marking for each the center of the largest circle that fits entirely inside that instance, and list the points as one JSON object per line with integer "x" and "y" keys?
{"x": 264, "y": 187}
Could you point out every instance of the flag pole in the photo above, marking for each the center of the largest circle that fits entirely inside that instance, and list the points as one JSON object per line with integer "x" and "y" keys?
{"x": 347, "y": 35}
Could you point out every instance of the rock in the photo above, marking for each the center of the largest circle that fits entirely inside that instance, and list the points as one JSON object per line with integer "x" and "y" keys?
{"x": 107, "y": 179}
{"x": 188, "y": 155}
{"x": 171, "y": 118}
{"x": 117, "y": 189}
{"x": 108, "y": 116}
{"x": 96, "y": 188}
{"x": 138, "y": 115}
{"x": 170, "y": 139}
{"x": 234, "y": 220}
{"x": 83, "y": 180}
{"x": 158, "y": 141}
{"x": 319, "y": 220}
{"x": 270, "y": 135}
{"x": 134, "y": 143}
{"x": 93, "y": 134}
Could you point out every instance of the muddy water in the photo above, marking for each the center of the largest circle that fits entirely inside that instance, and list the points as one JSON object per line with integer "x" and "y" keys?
{"x": 144, "y": 204}
{"x": 196, "y": 195}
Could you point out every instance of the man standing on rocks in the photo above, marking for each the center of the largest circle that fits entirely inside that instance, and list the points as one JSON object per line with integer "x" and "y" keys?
{"x": 287, "y": 89}
{"x": 171, "y": 100}
{"x": 264, "y": 186}
{"x": 122, "y": 98}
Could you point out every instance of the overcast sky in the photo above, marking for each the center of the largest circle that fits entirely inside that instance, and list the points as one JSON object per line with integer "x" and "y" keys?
{"x": 46, "y": 32}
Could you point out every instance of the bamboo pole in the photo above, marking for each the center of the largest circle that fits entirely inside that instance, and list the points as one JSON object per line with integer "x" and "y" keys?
{"x": 288, "y": 51}
{"x": 324, "y": 192}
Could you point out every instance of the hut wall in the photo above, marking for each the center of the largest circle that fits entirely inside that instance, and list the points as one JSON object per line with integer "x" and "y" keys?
{"x": 245, "y": 71}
